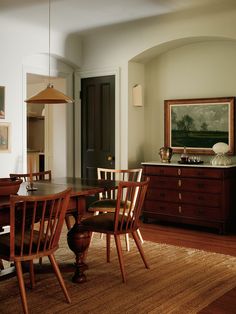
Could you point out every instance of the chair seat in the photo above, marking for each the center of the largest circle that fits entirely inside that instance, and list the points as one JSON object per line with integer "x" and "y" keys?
{"x": 5, "y": 243}
{"x": 104, "y": 205}
{"x": 103, "y": 222}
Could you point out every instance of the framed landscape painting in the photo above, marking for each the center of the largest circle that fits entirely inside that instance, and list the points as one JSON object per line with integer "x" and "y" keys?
{"x": 2, "y": 102}
{"x": 198, "y": 124}
{"x": 4, "y": 137}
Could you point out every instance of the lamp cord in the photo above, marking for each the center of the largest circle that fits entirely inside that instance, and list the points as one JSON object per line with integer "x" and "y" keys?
{"x": 49, "y": 40}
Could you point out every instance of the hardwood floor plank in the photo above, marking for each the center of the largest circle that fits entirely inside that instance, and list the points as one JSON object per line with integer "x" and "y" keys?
{"x": 198, "y": 238}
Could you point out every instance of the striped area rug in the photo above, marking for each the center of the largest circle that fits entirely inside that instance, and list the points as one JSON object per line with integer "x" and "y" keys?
{"x": 180, "y": 280}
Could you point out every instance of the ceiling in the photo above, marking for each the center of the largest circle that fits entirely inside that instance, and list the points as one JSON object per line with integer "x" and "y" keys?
{"x": 75, "y": 16}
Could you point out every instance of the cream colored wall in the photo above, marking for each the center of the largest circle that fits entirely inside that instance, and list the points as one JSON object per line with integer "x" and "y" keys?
{"x": 141, "y": 40}
{"x": 205, "y": 69}
{"x": 136, "y": 131}
{"x": 115, "y": 47}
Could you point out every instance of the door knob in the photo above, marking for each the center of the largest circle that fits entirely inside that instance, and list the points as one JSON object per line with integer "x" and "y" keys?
{"x": 110, "y": 158}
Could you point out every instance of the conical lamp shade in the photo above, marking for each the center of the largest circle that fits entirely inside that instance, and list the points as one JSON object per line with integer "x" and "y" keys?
{"x": 49, "y": 95}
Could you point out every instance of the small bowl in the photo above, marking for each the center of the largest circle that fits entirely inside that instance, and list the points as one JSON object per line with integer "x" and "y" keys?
{"x": 9, "y": 186}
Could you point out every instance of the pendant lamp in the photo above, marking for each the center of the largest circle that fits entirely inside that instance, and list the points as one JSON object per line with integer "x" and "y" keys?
{"x": 49, "y": 95}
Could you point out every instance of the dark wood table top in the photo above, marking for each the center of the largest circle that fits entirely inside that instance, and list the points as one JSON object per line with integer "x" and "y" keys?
{"x": 80, "y": 188}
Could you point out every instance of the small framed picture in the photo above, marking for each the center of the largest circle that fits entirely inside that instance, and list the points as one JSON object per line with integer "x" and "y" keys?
{"x": 5, "y": 135}
{"x": 2, "y": 102}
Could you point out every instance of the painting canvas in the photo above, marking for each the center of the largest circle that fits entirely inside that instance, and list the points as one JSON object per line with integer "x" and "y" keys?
{"x": 2, "y": 102}
{"x": 198, "y": 124}
{"x": 4, "y": 137}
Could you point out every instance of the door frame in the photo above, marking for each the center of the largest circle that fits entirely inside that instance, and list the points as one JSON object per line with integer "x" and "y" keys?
{"x": 48, "y": 121}
{"x": 78, "y": 147}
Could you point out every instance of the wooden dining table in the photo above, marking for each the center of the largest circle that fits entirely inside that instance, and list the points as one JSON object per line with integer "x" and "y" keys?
{"x": 77, "y": 239}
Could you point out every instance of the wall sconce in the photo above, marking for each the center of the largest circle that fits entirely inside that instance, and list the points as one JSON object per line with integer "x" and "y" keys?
{"x": 137, "y": 98}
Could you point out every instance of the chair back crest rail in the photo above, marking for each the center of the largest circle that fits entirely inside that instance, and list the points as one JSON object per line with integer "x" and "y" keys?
{"x": 132, "y": 175}
{"x": 36, "y": 176}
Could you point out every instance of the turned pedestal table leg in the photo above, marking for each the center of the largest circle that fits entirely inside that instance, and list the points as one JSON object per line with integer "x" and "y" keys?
{"x": 78, "y": 241}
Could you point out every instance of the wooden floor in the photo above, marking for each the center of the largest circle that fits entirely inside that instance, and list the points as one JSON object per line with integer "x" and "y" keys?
{"x": 199, "y": 238}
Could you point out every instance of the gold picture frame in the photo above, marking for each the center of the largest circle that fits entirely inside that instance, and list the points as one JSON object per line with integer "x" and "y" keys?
{"x": 5, "y": 136}
{"x": 2, "y": 102}
{"x": 198, "y": 124}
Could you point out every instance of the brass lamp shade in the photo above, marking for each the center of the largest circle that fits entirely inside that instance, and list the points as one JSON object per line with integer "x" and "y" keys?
{"x": 49, "y": 95}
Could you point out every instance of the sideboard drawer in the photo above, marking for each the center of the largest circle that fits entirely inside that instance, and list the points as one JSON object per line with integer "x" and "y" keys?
{"x": 201, "y": 185}
{"x": 162, "y": 182}
{"x": 201, "y": 212}
{"x": 201, "y": 173}
{"x": 166, "y": 208}
{"x": 200, "y": 198}
{"x": 161, "y": 171}
{"x": 184, "y": 197}
{"x": 188, "y": 184}
{"x": 184, "y": 210}
{"x": 162, "y": 195}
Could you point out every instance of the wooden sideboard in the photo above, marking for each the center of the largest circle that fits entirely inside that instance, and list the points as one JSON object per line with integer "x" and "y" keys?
{"x": 198, "y": 194}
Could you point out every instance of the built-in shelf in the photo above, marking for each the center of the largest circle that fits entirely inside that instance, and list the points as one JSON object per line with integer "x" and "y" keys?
{"x": 35, "y": 117}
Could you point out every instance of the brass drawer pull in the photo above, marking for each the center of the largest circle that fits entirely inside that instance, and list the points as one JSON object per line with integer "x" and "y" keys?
{"x": 180, "y": 196}
{"x": 179, "y": 183}
{"x": 179, "y": 171}
{"x": 180, "y": 209}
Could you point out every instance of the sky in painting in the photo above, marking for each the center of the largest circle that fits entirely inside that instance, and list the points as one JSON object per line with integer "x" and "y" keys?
{"x": 216, "y": 116}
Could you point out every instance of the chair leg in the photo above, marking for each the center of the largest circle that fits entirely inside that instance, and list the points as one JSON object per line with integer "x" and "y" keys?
{"x": 139, "y": 246}
{"x": 67, "y": 220}
{"x": 59, "y": 276}
{"x": 120, "y": 256}
{"x": 32, "y": 277}
{"x": 108, "y": 247}
{"x": 127, "y": 242}
{"x": 140, "y": 236}
{"x": 92, "y": 234}
{"x": 21, "y": 286}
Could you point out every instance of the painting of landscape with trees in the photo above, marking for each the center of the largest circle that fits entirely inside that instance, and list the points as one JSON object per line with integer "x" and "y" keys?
{"x": 198, "y": 124}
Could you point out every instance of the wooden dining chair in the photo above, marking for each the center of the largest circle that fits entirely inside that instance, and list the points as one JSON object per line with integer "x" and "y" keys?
{"x": 107, "y": 199}
{"x": 129, "y": 195}
{"x": 40, "y": 176}
{"x": 36, "y": 176}
{"x": 25, "y": 242}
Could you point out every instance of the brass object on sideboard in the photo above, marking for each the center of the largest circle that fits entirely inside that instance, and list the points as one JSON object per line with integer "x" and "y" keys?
{"x": 165, "y": 154}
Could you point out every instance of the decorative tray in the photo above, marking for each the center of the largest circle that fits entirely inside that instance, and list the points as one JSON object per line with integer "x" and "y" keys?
{"x": 190, "y": 162}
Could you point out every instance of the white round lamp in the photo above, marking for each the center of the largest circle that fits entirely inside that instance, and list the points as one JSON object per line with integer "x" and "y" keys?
{"x": 220, "y": 149}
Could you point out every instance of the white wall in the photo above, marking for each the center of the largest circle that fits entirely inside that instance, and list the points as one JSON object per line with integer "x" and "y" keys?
{"x": 18, "y": 41}
{"x": 117, "y": 45}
